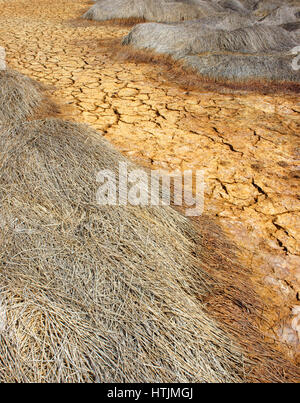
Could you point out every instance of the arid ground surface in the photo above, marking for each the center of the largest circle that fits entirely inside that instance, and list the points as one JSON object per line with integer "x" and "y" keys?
{"x": 248, "y": 144}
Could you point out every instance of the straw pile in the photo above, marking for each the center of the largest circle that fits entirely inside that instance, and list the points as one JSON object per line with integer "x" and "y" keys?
{"x": 97, "y": 293}
{"x": 2, "y": 59}
{"x": 151, "y": 10}
{"x": 244, "y": 41}
{"x": 239, "y": 67}
{"x": 107, "y": 294}
{"x": 19, "y": 97}
{"x": 190, "y": 38}
{"x": 225, "y": 46}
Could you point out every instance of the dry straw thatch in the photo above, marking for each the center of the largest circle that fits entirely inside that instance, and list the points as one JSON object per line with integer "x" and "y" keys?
{"x": 177, "y": 39}
{"x": 151, "y": 10}
{"x": 95, "y": 293}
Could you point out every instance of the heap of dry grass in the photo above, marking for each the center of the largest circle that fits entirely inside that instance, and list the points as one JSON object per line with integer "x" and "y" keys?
{"x": 231, "y": 43}
{"x": 181, "y": 40}
{"x": 254, "y": 39}
{"x": 247, "y": 54}
{"x": 151, "y": 10}
{"x": 19, "y": 97}
{"x": 96, "y": 293}
{"x": 188, "y": 78}
{"x": 242, "y": 68}
{"x": 178, "y": 39}
{"x": 110, "y": 294}
{"x": 22, "y": 98}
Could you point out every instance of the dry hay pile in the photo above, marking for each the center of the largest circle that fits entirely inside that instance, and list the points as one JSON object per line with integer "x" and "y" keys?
{"x": 20, "y": 96}
{"x": 232, "y": 66}
{"x": 254, "y": 39}
{"x": 237, "y": 40}
{"x": 95, "y": 293}
{"x": 179, "y": 39}
{"x": 151, "y": 10}
{"x": 223, "y": 47}
{"x": 190, "y": 38}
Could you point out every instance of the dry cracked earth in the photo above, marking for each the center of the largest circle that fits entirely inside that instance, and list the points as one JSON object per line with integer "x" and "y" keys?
{"x": 247, "y": 144}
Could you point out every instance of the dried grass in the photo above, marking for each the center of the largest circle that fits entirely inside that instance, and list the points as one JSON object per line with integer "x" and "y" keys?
{"x": 97, "y": 293}
{"x": 121, "y": 22}
{"x": 180, "y": 40}
{"x": 150, "y": 10}
{"x": 188, "y": 78}
{"x": 113, "y": 294}
{"x": 22, "y": 98}
{"x": 259, "y": 55}
{"x": 242, "y": 68}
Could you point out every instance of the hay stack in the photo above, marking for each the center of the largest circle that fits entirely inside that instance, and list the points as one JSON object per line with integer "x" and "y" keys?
{"x": 103, "y": 294}
{"x": 150, "y": 10}
{"x": 178, "y": 39}
{"x": 239, "y": 67}
{"x": 246, "y": 53}
{"x": 97, "y": 293}
{"x": 255, "y": 39}
{"x": 19, "y": 97}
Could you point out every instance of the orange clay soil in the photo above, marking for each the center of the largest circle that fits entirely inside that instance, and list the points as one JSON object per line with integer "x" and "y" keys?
{"x": 248, "y": 144}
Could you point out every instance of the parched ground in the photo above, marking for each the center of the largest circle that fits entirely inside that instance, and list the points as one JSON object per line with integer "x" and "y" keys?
{"x": 248, "y": 144}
